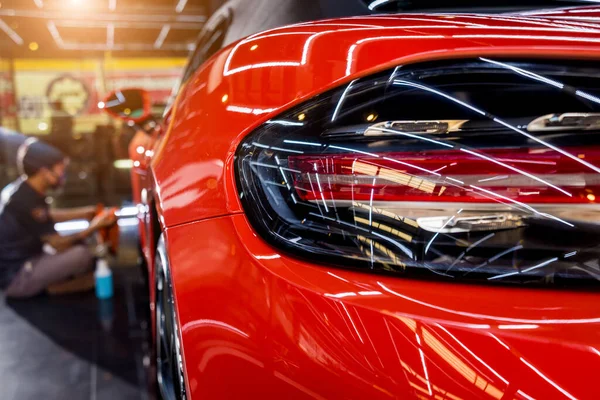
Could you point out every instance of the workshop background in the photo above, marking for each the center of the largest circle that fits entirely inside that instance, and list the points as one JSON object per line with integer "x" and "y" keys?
{"x": 485, "y": 109}
{"x": 58, "y": 60}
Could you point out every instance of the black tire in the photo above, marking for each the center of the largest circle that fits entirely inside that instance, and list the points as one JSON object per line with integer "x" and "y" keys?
{"x": 169, "y": 365}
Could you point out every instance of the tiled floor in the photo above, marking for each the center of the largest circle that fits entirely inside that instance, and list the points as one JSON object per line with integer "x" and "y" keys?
{"x": 77, "y": 347}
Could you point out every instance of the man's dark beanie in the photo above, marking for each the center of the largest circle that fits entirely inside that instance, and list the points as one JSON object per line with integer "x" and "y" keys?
{"x": 34, "y": 155}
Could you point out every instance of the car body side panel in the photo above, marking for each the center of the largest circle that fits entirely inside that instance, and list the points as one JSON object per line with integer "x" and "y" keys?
{"x": 243, "y": 86}
{"x": 138, "y": 149}
{"x": 258, "y": 324}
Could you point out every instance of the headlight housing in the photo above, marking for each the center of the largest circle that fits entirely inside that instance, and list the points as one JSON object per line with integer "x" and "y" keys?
{"x": 482, "y": 169}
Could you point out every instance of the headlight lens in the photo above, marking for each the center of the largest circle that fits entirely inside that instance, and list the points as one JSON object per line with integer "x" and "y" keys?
{"x": 478, "y": 169}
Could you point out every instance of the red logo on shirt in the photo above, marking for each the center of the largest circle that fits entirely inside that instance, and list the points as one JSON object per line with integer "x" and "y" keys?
{"x": 40, "y": 214}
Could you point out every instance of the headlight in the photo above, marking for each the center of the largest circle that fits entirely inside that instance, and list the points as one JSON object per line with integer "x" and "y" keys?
{"x": 478, "y": 169}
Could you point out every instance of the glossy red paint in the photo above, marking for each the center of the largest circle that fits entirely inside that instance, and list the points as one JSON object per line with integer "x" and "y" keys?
{"x": 575, "y": 16}
{"x": 141, "y": 151}
{"x": 258, "y": 324}
{"x": 238, "y": 89}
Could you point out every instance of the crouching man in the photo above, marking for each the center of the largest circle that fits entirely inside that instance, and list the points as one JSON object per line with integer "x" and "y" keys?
{"x": 27, "y": 224}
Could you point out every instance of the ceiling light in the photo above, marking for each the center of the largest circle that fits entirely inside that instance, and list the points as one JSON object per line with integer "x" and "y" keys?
{"x": 42, "y": 126}
{"x": 11, "y": 33}
{"x": 101, "y": 105}
{"x": 33, "y": 46}
{"x": 110, "y": 35}
{"x": 181, "y": 5}
{"x": 162, "y": 36}
{"x": 55, "y": 35}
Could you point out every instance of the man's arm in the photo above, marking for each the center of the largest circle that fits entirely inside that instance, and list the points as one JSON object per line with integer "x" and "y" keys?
{"x": 61, "y": 243}
{"x": 68, "y": 214}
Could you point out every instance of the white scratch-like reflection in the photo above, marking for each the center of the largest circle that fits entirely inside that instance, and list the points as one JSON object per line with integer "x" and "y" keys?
{"x": 425, "y": 371}
{"x": 540, "y": 141}
{"x": 525, "y": 395}
{"x": 341, "y": 101}
{"x": 340, "y": 295}
{"x": 354, "y": 151}
{"x": 411, "y": 166}
{"x": 303, "y": 143}
{"x": 352, "y": 49}
{"x": 527, "y": 174}
{"x": 501, "y": 122}
{"x": 268, "y": 257}
{"x": 548, "y": 321}
{"x": 461, "y": 344}
{"x": 441, "y": 229}
{"x": 537, "y": 266}
{"x": 202, "y": 323}
{"x": 352, "y": 322}
{"x": 526, "y": 73}
{"x": 499, "y": 341}
{"x": 519, "y": 326}
{"x": 527, "y": 207}
{"x": 397, "y": 132}
{"x": 550, "y": 381}
{"x": 401, "y": 82}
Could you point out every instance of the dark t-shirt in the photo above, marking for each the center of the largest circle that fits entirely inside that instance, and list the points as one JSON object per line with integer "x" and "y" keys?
{"x": 24, "y": 219}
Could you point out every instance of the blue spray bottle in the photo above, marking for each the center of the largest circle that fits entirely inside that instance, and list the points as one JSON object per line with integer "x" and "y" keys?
{"x": 104, "y": 282}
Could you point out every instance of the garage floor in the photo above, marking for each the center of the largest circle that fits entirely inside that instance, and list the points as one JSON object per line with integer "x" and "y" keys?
{"x": 76, "y": 347}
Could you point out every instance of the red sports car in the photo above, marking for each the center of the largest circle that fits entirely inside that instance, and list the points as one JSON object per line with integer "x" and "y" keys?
{"x": 377, "y": 207}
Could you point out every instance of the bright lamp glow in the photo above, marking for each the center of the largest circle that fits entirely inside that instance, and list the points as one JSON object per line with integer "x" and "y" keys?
{"x": 77, "y": 225}
{"x": 123, "y": 164}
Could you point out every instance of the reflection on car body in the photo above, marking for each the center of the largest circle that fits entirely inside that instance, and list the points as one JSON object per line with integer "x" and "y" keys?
{"x": 399, "y": 206}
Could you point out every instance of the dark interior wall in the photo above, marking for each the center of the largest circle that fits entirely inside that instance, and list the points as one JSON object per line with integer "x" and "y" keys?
{"x": 342, "y": 8}
{"x": 252, "y": 16}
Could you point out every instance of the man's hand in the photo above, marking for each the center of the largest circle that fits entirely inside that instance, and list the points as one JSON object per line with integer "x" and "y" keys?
{"x": 61, "y": 243}
{"x": 103, "y": 220}
{"x": 88, "y": 212}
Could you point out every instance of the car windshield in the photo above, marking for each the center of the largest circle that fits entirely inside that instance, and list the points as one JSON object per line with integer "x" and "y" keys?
{"x": 488, "y": 6}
